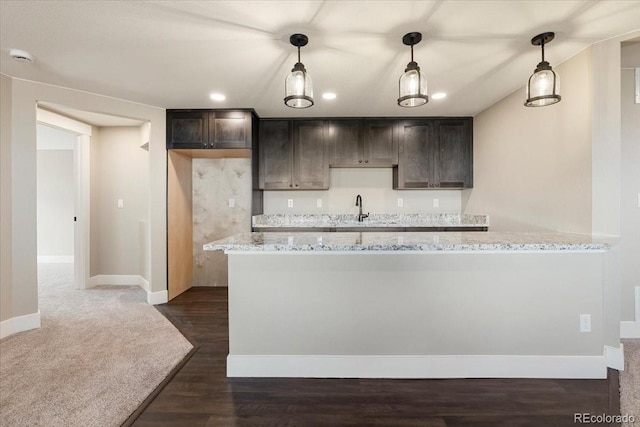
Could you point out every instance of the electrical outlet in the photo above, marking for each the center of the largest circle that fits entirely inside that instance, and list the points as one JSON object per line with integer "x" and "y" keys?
{"x": 585, "y": 323}
{"x": 232, "y": 203}
{"x": 319, "y": 203}
{"x": 290, "y": 240}
{"x": 289, "y": 203}
{"x": 120, "y": 203}
{"x": 400, "y": 202}
{"x": 436, "y": 203}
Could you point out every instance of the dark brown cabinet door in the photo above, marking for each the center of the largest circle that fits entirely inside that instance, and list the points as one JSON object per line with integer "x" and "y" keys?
{"x": 363, "y": 143}
{"x": 187, "y": 129}
{"x": 380, "y": 142}
{"x": 345, "y": 143}
{"x": 276, "y": 155}
{"x": 415, "y": 158}
{"x": 435, "y": 153}
{"x": 310, "y": 155}
{"x": 230, "y": 129}
{"x": 454, "y": 156}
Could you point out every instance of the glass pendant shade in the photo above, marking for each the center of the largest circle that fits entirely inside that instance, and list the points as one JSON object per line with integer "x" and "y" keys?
{"x": 543, "y": 87}
{"x": 412, "y": 84}
{"x": 413, "y": 87}
{"x": 298, "y": 88}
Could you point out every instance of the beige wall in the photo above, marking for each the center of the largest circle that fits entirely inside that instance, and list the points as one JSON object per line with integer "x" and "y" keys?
{"x": 532, "y": 166}
{"x": 630, "y": 184}
{"x": 5, "y": 200}
{"x": 55, "y": 183}
{"x": 119, "y": 170}
{"x": 22, "y": 202}
{"x": 375, "y": 187}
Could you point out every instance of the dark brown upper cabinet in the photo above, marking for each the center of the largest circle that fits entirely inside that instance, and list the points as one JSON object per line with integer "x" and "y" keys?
{"x": 435, "y": 154}
{"x": 191, "y": 129}
{"x": 363, "y": 143}
{"x": 293, "y": 155}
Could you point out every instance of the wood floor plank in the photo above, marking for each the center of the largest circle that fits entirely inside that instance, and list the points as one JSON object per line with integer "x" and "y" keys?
{"x": 200, "y": 394}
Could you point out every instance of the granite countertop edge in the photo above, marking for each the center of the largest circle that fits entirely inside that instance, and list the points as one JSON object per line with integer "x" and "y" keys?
{"x": 410, "y": 242}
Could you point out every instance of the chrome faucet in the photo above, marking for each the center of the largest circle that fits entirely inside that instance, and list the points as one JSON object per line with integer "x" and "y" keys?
{"x": 361, "y": 216}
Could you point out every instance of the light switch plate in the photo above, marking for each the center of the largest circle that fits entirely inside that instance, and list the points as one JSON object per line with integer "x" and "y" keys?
{"x": 120, "y": 203}
{"x": 289, "y": 203}
{"x": 436, "y": 203}
{"x": 400, "y": 202}
{"x": 319, "y": 203}
{"x": 232, "y": 203}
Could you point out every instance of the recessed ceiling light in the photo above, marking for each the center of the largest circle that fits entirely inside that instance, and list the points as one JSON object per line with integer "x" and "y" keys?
{"x": 329, "y": 95}
{"x": 439, "y": 95}
{"x": 217, "y": 97}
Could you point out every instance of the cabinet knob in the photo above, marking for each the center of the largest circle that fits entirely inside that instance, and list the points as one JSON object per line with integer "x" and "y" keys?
{"x": 438, "y": 184}
{"x": 430, "y": 185}
{"x": 366, "y": 161}
{"x": 359, "y": 161}
{"x": 290, "y": 185}
{"x": 297, "y": 185}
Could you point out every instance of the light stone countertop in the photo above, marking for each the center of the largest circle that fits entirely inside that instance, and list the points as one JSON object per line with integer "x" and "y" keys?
{"x": 411, "y": 241}
{"x": 374, "y": 220}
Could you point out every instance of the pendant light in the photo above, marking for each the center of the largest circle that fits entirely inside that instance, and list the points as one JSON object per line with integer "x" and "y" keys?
{"x": 543, "y": 87}
{"x": 413, "y": 84}
{"x": 298, "y": 87}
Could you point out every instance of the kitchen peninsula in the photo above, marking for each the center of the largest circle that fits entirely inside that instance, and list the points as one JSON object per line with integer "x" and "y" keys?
{"x": 420, "y": 305}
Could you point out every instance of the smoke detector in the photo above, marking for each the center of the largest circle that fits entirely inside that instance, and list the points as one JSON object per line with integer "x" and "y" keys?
{"x": 21, "y": 55}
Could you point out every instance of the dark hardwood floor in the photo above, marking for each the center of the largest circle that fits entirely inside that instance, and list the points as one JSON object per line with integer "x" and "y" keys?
{"x": 200, "y": 394}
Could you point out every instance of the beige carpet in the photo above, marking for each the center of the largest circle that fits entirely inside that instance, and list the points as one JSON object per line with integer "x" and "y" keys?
{"x": 99, "y": 353}
{"x": 630, "y": 381}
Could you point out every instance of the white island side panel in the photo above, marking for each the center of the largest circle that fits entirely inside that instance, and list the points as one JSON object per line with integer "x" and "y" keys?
{"x": 451, "y": 305}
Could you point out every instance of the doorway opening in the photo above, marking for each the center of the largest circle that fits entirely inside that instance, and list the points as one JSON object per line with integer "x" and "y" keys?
{"x": 93, "y": 195}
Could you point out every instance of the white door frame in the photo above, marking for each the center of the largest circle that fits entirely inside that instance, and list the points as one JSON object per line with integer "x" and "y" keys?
{"x": 81, "y": 166}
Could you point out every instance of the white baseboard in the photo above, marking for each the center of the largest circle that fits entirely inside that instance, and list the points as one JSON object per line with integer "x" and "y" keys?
{"x": 629, "y": 329}
{"x": 417, "y": 366}
{"x": 19, "y": 324}
{"x": 67, "y": 259}
{"x": 614, "y": 357}
{"x": 118, "y": 280}
{"x": 144, "y": 283}
{"x": 153, "y": 298}
{"x": 160, "y": 297}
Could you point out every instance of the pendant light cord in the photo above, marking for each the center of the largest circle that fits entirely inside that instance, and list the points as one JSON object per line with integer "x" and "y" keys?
{"x": 412, "y": 52}
{"x": 299, "y": 54}
{"x": 542, "y": 46}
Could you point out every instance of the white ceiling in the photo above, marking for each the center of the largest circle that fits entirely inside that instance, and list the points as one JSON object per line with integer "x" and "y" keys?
{"x": 173, "y": 54}
{"x": 89, "y": 117}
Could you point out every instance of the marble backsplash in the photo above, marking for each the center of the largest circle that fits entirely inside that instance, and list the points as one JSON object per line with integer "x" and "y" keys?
{"x": 215, "y": 182}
